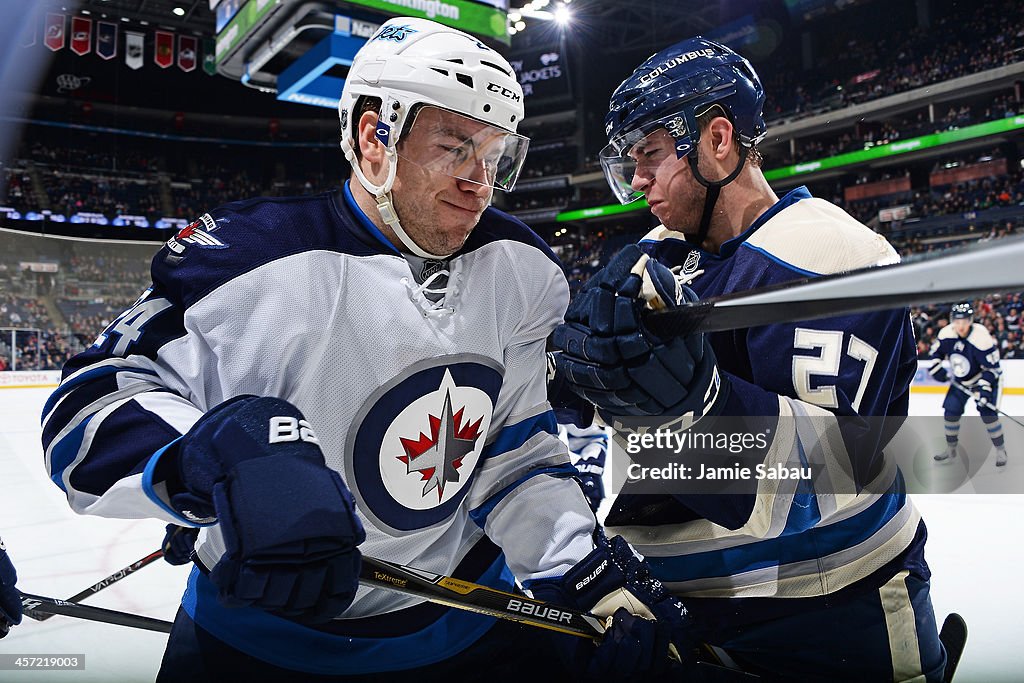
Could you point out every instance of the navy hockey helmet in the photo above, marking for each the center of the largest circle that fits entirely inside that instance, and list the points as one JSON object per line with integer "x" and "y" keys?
{"x": 962, "y": 311}
{"x": 670, "y": 90}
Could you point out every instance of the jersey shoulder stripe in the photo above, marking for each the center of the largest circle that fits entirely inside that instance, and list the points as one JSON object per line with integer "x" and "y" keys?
{"x": 239, "y": 237}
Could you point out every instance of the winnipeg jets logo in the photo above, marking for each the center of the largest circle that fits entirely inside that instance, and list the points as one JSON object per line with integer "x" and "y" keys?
{"x": 193, "y": 233}
{"x": 412, "y": 454}
{"x": 395, "y": 33}
{"x": 432, "y": 446}
{"x": 437, "y": 458}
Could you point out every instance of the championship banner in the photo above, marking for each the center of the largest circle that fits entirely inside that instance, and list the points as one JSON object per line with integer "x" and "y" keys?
{"x": 106, "y": 39}
{"x": 81, "y": 35}
{"x": 209, "y": 56}
{"x": 163, "y": 50}
{"x": 187, "y": 52}
{"x": 133, "y": 49}
{"x": 54, "y": 31}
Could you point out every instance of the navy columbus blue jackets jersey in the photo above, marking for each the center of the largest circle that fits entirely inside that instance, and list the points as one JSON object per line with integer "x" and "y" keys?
{"x": 781, "y": 540}
{"x": 971, "y": 358}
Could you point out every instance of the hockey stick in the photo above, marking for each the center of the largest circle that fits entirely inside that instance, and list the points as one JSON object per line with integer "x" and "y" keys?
{"x": 970, "y": 393}
{"x": 473, "y": 597}
{"x": 973, "y": 273}
{"x": 36, "y": 606}
{"x": 113, "y": 578}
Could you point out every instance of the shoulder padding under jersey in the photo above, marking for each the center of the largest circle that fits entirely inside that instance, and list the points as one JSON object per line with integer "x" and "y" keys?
{"x": 817, "y": 236}
{"x": 980, "y": 337}
{"x": 662, "y": 233}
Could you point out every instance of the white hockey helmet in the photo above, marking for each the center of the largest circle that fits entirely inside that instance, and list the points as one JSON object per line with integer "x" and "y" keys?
{"x": 410, "y": 62}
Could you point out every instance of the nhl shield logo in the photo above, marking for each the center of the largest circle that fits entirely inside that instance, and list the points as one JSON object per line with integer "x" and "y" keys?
{"x": 691, "y": 263}
{"x": 431, "y": 266}
{"x": 419, "y": 441}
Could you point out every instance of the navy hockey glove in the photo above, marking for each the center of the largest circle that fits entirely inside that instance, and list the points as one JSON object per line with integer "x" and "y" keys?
{"x": 650, "y": 629}
{"x": 179, "y": 541}
{"x": 10, "y": 598}
{"x": 288, "y": 521}
{"x": 985, "y": 394}
{"x": 610, "y": 358}
{"x": 939, "y": 373}
{"x": 569, "y": 407}
{"x": 592, "y": 484}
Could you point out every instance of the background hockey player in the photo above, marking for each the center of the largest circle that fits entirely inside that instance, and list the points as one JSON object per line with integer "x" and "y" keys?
{"x": 10, "y": 598}
{"x": 380, "y": 349}
{"x": 973, "y": 358}
{"x": 794, "y": 583}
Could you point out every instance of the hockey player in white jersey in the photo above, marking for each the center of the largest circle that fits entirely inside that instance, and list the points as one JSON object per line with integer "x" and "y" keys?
{"x": 973, "y": 359}
{"x": 362, "y": 371}
{"x": 10, "y": 598}
{"x": 811, "y": 579}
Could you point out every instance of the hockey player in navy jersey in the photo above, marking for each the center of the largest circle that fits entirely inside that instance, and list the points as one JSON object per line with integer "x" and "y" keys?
{"x": 10, "y": 598}
{"x": 793, "y": 580}
{"x": 973, "y": 359}
{"x": 311, "y": 379}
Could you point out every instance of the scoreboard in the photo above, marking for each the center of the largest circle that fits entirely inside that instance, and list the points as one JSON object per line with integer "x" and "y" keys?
{"x": 301, "y": 50}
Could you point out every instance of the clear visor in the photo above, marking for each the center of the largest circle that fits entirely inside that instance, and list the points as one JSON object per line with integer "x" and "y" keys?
{"x": 642, "y": 152}
{"x": 443, "y": 141}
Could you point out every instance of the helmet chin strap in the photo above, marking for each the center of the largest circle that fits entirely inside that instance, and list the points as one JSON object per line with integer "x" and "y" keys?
{"x": 714, "y": 188}
{"x": 382, "y": 194}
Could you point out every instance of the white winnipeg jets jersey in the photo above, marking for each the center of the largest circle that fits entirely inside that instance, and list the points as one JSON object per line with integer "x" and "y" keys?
{"x": 434, "y": 411}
